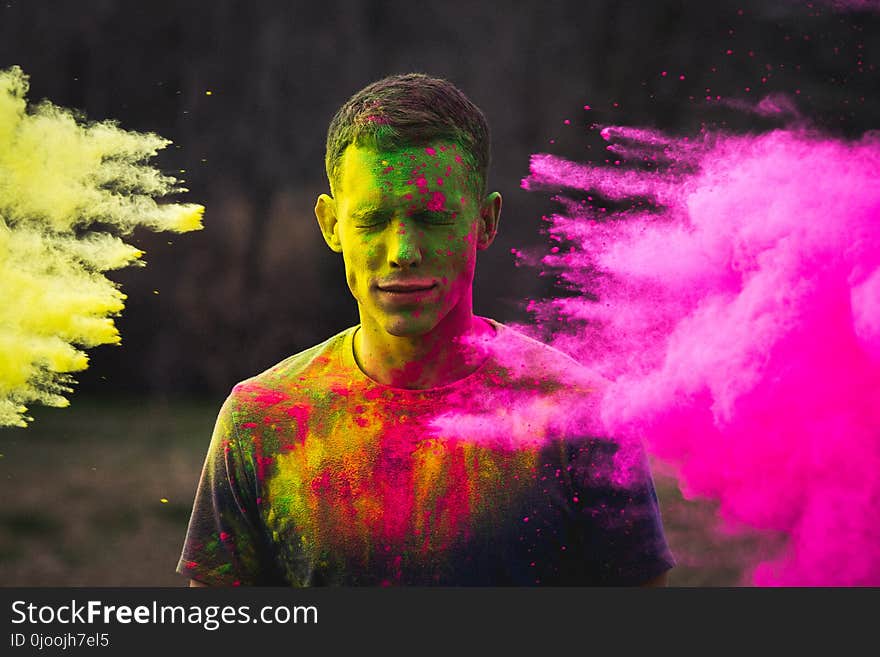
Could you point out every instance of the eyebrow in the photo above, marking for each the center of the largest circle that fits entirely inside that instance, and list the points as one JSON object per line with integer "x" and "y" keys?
{"x": 359, "y": 213}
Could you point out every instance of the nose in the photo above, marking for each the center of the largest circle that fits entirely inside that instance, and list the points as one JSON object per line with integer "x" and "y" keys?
{"x": 403, "y": 246}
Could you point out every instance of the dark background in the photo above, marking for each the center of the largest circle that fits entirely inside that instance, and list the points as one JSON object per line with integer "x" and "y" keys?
{"x": 258, "y": 283}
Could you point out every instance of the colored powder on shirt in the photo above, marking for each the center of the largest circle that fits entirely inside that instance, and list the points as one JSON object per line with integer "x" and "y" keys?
{"x": 341, "y": 479}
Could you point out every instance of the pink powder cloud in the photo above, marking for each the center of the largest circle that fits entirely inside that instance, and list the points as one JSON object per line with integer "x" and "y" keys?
{"x": 739, "y": 323}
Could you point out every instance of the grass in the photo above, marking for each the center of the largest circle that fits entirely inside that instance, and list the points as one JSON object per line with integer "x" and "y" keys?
{"x": 83, "y": 490}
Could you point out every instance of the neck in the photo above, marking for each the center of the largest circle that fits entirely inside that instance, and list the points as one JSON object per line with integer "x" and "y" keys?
{"x": 440, "y": 357}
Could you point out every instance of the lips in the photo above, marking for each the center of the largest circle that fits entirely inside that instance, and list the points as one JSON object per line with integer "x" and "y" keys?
{"x": 410, "y": 293}
{"x": 406, "y": 287}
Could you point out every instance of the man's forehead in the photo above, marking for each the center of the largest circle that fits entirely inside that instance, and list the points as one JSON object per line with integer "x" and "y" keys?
{"x": 436, "y": 153}
{"x": 432, "y": 177}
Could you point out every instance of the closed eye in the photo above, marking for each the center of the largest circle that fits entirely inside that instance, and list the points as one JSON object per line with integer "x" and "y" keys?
{"x": 370, "y": 220}
{"x": 436, "y": 218}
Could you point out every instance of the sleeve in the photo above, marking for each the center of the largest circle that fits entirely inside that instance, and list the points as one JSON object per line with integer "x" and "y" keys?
{"x": 617, "y": 512}
{"x": 225, "y": 543}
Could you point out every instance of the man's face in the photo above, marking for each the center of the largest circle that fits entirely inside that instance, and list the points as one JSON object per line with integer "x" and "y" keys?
{"x": 408, "y": 224}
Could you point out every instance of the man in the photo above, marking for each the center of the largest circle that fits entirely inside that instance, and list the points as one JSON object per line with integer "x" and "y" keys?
{"x": 425, "y": 445}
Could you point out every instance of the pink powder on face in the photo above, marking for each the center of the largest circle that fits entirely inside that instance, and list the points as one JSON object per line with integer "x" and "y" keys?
{"x": 739, "y": 323}
{"x": 437, "y": 202}
{"x": 422, "y": 184}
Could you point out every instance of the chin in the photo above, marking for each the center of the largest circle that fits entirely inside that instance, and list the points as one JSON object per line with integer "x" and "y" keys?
{"x": 410, "y": 327}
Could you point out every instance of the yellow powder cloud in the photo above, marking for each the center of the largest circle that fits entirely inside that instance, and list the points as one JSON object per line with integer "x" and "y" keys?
{"x": 68, "y": 189}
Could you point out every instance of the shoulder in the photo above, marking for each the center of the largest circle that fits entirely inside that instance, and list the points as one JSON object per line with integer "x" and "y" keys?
{"x": 527, "y": 391}
{"x": 291, "y": 379}
{"x": 524, "y": 356}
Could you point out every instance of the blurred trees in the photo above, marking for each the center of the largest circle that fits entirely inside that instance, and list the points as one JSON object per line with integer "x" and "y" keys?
{"x": 246, "y": 91}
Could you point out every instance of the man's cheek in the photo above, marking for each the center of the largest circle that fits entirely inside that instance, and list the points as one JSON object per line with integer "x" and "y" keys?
{"x": 463, "y": 249}
{"x": 352, "y": 279}
{"x": 453, "y": 254}
{"x": 445, "y": 248}
{"x": 364, "y": 254}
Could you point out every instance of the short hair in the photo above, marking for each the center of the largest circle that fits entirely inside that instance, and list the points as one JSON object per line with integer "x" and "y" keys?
{"x": 412, "y": 109}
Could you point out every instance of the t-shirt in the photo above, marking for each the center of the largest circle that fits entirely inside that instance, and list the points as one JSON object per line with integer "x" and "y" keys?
{"x": 318, "y": 475}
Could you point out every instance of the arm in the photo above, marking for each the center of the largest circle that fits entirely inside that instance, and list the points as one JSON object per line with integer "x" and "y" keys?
{"x": 224, "y": 544}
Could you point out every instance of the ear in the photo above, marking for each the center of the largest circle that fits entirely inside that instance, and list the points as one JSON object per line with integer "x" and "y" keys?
{"x": 490, "y": 215}
{"x": 325, "y": 211}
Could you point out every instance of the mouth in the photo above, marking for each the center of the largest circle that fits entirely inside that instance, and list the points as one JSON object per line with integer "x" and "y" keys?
{"x": 406, "y": 294}
{"x": 406, "y": 287}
